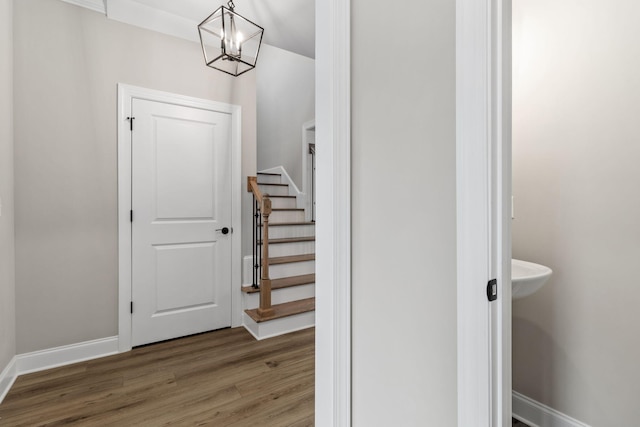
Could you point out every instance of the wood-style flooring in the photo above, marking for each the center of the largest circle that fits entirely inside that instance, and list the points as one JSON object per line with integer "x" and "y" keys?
{"x": 221, "y": 378}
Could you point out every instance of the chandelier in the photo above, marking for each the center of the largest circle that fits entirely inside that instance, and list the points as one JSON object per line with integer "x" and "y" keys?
{"x": 230, "y": 42}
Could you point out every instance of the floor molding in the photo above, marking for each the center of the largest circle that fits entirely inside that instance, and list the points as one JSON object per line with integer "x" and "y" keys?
{"x": 7, "y": 378}
{"x": 65, "y": 355}
{"x": 536, "y": 414}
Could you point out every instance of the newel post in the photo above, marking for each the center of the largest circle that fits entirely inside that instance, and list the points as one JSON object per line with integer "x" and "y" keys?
{"x": 265, "y": 308}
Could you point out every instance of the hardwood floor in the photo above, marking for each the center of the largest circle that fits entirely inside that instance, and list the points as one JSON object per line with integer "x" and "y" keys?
{"x": 221, "y": 378}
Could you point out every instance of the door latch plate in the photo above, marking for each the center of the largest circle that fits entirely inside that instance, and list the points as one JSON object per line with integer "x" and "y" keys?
{"x": 492, "y": 290}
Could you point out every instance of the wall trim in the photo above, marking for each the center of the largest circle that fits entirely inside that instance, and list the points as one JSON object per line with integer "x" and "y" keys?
{"x": 95, "y": 5}
{"x": 306, "y": 202}
{"x": 27, "y": 363}
{"x": 537, "y": 414}
{"x": 41, "y": 360}
{"x": 483, "y": 183}
{"x": 473, "y": 166}
{"x": 7, "y": 378}
{"x": 333, "y": 230}
{"x": 151, "y": 18}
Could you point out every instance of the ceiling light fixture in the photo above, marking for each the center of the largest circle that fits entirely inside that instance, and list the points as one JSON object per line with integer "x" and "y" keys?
{"x": 230, "y": 42}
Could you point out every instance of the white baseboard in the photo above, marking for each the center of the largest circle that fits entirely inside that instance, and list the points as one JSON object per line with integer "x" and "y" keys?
{"x": 536, "y": 414}
{"x": 27, "y": 363}
{"x": 247, "y": 270}
{"x": 7, "y": 378}
{"x": 65, "y": 355}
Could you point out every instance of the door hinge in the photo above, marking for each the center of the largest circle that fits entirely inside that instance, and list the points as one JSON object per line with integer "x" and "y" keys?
{"x": 131, "y": 307}
{"x": 131, "y": 215}
{"x": 492, "y": 290}
{"x": 131, "y": 119}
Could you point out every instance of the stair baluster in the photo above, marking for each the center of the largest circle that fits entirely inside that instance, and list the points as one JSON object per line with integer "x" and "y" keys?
{"x": 256, "y": 250}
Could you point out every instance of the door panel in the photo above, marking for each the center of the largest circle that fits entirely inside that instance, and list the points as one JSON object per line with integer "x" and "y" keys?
{"x": 184, "y": 171}
{"x": 187, "y": 264}
{"x": 181, "y": 194}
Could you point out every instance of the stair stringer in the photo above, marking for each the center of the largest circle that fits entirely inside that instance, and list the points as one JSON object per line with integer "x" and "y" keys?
{"x": 283, "y": 325}
{"x": 301, "y": 197}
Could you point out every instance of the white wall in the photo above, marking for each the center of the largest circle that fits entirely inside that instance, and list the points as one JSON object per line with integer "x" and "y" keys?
{"x": 404, "y": 215}
{"x": 576, "y": 150}
{"x": 68, "y": 61}
{"x": 286, "y": 100}
{"x": 7, "y": 273}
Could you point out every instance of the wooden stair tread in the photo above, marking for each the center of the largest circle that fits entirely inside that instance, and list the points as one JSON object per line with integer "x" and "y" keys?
{"x": 291, "y": 258}
{"x": 271, "y": 183}
{"x": 285, "y": 282}
{"x": 284, "y": 310}
{"x": 290, "y": 240}
{"x": 276, "y": 224}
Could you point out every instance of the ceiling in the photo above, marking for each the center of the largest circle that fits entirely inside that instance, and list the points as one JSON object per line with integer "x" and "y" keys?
{"x": 288, "y": 24}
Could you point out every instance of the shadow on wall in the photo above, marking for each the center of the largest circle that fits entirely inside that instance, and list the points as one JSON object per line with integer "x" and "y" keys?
{"x": 538, "y": 362}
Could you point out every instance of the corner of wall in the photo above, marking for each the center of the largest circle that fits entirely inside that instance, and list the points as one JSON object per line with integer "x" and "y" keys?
{"x": 7, "y": 229}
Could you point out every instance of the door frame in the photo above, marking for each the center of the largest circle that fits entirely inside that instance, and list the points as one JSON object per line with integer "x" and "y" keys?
{"x": 333, "y": 226}
{"x": 483, "y": 150}
{"x": 126, "y": 93}
{"x": 483, "y": 175}
{"x": 307, "y": 170}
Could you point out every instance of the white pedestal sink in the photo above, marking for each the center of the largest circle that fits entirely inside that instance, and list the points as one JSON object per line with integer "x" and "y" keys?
{"x": 527, "y": 278}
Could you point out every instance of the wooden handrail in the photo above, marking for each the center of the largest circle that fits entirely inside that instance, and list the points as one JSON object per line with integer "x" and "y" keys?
{"x": 252, "y": 187}
{"x": 263, "y": 200}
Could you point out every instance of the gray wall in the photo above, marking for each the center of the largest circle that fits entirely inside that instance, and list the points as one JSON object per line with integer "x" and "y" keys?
{"x": 286, "y": 100}
{"x": 576, "y": 148}
{"x": 68, "y": 61}
{"x": 7, "y": 277}
{"x": 404, "y": 216}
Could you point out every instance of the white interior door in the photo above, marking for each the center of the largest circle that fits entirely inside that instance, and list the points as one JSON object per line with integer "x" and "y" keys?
{"x": 181, "y": 202}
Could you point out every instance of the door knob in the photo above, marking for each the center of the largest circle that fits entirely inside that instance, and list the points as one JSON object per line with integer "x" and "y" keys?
{"x": 225, "y": 230}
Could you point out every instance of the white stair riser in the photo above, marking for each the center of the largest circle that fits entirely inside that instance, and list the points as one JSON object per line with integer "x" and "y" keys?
{"x": 280, "y": 296}
{"x": 280, "y": 326}
{"x": 269, "y": 179}
{"x": 287, "y": 216}
{"x": 283, "y": 202}
{"x": 275, "y": 190}
{"x": 288, "y": 249}
{"x": 288, "y": 231}
{"x": 278, "y": 271}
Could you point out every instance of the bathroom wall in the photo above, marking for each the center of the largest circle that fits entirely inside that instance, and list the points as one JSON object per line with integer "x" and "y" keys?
{"x": 285, "y": 100}
{"x": 576, "y": 150}
{"x": 68, "y": 61}
{"x": 404, "y": 327}
{"x": 7, "y": 271}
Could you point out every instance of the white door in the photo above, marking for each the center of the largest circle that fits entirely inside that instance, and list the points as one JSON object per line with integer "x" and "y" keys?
{"x": 181, "y": 203}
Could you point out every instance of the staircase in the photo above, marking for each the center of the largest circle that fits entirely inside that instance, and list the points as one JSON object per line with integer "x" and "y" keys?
{"x": 291, "y": 267}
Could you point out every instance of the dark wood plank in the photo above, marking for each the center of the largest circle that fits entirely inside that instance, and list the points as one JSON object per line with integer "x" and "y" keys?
{"x": 292, "y": 258}
{"x": 197, "y": 380}
{"x": 290, "y": 240}
{"x": 285, "y": 282}
{"x": 280, "y": 224}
